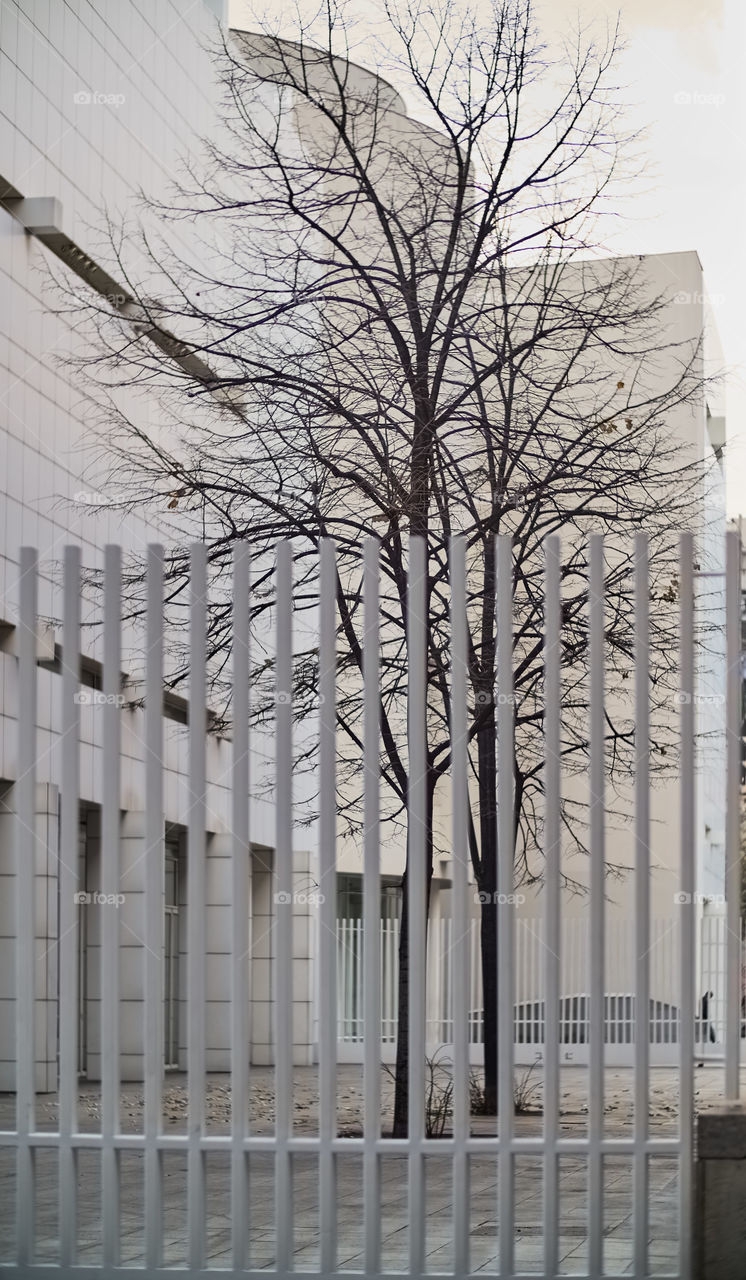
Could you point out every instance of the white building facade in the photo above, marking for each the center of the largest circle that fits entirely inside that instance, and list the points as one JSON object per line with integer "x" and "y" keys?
{"x": 98, "y": 102}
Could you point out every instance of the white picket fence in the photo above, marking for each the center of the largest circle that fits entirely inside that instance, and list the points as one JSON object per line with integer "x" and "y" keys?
{"x": 529, "y": 1015}
{"x": 543, "y": 979}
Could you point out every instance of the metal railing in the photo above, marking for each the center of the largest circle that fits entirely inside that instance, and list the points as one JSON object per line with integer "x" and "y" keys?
{"x": 284, "y": 1147}
{"x": 529, "y": 1011}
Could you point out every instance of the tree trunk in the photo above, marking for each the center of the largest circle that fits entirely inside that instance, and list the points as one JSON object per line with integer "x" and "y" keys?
{"x": 401, "y": 1084}
{"x": 401, "y": 1087}
{"x": 487, "y": 884}
{"x": 418, "y": 526}
{"x": 490, "y": 926}
{"x": 486, "y": 865}
{"x": 488, "y": 950}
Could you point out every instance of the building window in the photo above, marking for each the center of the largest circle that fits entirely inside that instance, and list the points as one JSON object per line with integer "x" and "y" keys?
{"x": 350, "y": 897}
{"x": 82, "y": 914}
{"x": 171, "y": 954}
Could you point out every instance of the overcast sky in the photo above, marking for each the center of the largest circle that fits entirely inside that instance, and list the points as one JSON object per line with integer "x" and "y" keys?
{"x": 684, "y": 68}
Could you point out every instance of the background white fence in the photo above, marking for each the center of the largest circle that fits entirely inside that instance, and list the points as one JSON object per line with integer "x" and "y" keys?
{"x": 529, "y": 1018}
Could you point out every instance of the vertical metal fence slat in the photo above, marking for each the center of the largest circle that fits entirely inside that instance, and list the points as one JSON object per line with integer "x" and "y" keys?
{"x": 68, "y": 888}
{"x": 460, "y": 937}
{"x": 371, "y": 907}
{"x": 341, "y": 982}
{"x": 328, "y": 905}
{"x": 597, "y": 906}
{"x": 687, "y": 916}
{"x": 25, "y": 871}
{"x": 196, "y": 884}
{"x": 552, "y": 782}
{"x": 642, "y": 902}
{"x": 110, "y": 884}
{"x": 732, "y": 815}
{"x": 505, "y": 887}
{"x": 283, "y": 920}
{"x": 417, "y": 852}
{"x": 154, "y": 1024}
{"x": 240, "y": 906}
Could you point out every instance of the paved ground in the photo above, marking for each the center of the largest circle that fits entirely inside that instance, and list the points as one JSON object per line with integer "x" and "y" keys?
{"x": 394, "y": 1227}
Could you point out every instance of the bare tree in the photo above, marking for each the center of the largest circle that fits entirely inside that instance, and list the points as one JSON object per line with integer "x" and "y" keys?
{"x": 401, "y": 326}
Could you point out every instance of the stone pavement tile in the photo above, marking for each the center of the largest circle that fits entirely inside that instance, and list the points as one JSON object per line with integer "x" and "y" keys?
{"x": 665, "y": 1252}
{"x": 619, "y": 1234}
{"x": 305, "y": 1259}
{"x": 439, "y": 1252}
{"x": 353, "y": 1218}
{"x": 528, "y": 1189}
{"x": 434, "y": 1244}
{"x": 531, "y": 1265}
{"x": 394, "y": 1259}
{"x": 620, "y": 1230}
{"x": 616, "y": 1252}
{"x": 303, "y": 1235}
{"x": 574, "y": 1251}
{"x": 528, "y": 1254}
{"x": 349, "y": 1261}
{"x": 398, "y": 1238}
{"x": 654, "y": 1269}
{"x": 659, "y": 1218}
{"x": 46, "y": 1252}
{"x": 614, "y": 1214}
{"x": 437, "y": 1234}
{"x": 174, "y": 1251}
{"x": 393, "y": 1223}
{"x": 262, "y": 1258}
{"x": 217, "y": 1243}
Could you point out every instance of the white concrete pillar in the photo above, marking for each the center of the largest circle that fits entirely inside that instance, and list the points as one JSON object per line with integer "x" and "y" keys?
{"x": 46, "y": 934}
{"x": 126, "y": 916}
{"x": 305, "y": 915}
{"x": 131, "y": 924}
{"x": 305, "y": 912}
{"x": 219, "y": 881}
